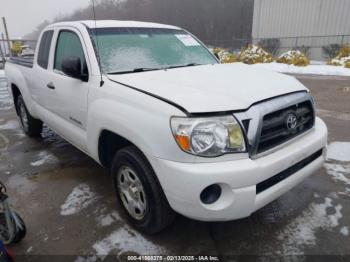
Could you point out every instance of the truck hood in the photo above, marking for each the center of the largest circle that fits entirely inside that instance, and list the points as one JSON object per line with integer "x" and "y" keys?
{"x": 212, "y": 88}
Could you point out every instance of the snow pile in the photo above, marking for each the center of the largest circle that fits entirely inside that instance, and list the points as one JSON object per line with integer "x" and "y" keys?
{"x": 44, "y": 157}
{"x": 343, "y": 57}
{"x": 339, "y": 151}
{"x": 80, "y": 198}
{"x": 126, "y": 240}
{"x": 344, "y": 231}
{"x": 302, "y": 231}
{"x": 254, "y": 54}
{"x": 108, "y": 219}
{"x": 225, "y": 56}
{"x": 293, "y": 57}
{"x": 339, "y": 172}
{"x": 328, "y": 70}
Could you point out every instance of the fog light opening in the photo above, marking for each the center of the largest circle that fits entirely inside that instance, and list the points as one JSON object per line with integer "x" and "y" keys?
{"x": 210, "y": 194}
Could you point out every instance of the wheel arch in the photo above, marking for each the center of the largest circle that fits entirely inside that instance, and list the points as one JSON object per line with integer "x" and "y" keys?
{"x": 108, "y": 144}
{"x": 16, "y": 92}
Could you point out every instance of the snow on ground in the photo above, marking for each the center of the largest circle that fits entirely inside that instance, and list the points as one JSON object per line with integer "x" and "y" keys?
{"x": 11, "y": 124}
{"x": 5, "y": 100}
{"x": 80, "y": 198}
{"x": 309, "y": 70}
{"x": 344, "y": 231}
{"x": 107, "y": 219}
{"x": 44, "y": 157}
{"x": 339, "y": 151}
{"x": 126, "y": 240}
{"x": 339, "y": 172}
{"x": 302, "y": 230}
{"x": 316, "y": 62}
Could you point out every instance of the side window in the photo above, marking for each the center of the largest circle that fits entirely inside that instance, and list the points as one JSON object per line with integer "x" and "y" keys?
{"x": 44, "y": 49}
{"x": 68, "y": 44}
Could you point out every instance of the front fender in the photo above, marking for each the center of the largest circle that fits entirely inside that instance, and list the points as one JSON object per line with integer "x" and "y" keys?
{"x": 139, "y": 118}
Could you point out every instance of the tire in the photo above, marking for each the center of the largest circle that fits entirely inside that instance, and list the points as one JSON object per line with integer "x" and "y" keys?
{"x": 32, "y": 127}
{"x": 154, "y": 214}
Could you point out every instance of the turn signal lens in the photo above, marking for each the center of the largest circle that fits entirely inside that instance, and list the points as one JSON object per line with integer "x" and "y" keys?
{"x": 183, "y": 142}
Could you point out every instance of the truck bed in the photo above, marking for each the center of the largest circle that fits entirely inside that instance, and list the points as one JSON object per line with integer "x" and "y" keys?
{"x": 26, "y": 61}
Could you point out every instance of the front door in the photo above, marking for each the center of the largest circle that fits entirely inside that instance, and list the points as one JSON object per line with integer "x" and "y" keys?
{"x": 68, "y": 96}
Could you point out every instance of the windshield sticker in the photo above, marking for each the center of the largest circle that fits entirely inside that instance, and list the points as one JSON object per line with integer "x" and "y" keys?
{"x": 187, "y": 40}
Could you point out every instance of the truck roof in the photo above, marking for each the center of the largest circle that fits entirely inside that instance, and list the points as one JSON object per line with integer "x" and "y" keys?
{"x": 114, "y": 23}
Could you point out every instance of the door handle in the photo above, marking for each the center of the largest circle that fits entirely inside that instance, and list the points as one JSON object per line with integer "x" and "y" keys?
{"x": 50, "y": 85}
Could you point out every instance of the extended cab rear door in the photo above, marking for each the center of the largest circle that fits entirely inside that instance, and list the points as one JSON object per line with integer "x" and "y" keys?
{"x": 38, "y": 81}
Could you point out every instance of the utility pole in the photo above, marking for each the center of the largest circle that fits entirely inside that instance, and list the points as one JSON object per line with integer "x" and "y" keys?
{"x": 7, "y": 35}
{"x": 2, "y": 58}
{"x": 3, "y": 43}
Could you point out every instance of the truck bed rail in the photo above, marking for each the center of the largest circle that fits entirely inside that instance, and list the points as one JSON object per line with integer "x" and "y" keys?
{"x": 23, "y": 61}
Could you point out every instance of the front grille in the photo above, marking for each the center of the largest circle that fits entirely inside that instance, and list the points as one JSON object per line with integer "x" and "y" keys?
{"x": 275, "y": 129}
{"x": 262, "y": 186}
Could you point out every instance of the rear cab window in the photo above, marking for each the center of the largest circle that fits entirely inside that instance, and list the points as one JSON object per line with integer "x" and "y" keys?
{"x": 44, "y": 49}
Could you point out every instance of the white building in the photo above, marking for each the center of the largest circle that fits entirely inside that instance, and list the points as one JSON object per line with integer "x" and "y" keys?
{"x": 311, "y": 23}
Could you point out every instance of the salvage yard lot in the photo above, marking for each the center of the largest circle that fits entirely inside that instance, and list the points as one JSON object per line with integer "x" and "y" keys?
{"x": 68, "y": 202}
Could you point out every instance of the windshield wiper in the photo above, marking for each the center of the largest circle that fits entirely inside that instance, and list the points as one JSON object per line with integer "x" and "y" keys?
{"x": 178, "y": 66}
{"x": 144, "y": 69}
{"x": 136, "y": 70}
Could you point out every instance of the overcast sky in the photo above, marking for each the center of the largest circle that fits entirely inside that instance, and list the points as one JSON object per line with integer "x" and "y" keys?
{"x": 23, "y": 16}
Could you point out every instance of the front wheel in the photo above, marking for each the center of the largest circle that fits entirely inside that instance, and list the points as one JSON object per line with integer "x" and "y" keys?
{"x": 31, "y": 126}
{"x": 139, "y": 192}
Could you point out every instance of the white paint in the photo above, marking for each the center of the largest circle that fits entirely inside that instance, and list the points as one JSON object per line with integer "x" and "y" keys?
{"x": 344, "y": 231}
{"x": 108, "y": 219}
{"x": 339, "y": 151}
{"x": 29, "y": 249}
{"x": 305, "y": 70}
{"x": 127, "y": 240}
{"x": 301, "y": 231}
{"x": 80, "y": 198}
{"x": 211, "y": 86}
{"x": 44, "y": 157}
{"x": 116, "y": 23}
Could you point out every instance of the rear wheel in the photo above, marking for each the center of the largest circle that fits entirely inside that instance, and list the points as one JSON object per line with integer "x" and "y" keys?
{"x": 31, "y": 126}
{"x": 139, "y": 192}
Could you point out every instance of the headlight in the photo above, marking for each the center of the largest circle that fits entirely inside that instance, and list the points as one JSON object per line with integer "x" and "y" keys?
{"x": 211, "y": 136}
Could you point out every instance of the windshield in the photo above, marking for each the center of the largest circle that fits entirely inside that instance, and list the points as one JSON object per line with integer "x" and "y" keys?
{"x": 125, "y": 50}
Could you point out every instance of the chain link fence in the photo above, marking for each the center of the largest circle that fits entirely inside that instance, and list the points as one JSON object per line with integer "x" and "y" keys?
{"x": 320, "y": 48}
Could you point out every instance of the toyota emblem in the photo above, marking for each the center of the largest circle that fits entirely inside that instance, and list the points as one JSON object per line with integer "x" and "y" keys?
{"x": 291, "y": 121}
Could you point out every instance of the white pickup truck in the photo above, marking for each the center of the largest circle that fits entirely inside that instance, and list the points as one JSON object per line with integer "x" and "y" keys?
{"x": 179, "y": 131}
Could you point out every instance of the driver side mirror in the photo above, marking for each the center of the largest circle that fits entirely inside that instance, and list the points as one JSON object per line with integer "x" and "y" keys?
{"x": 72, "y": 67}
